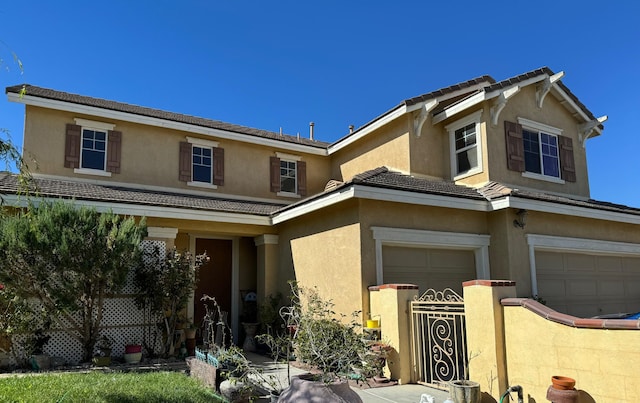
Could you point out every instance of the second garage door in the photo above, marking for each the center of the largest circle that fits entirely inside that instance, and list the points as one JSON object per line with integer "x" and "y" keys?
{"x": 586, "y": 285}
{"x": 428, "y": 268}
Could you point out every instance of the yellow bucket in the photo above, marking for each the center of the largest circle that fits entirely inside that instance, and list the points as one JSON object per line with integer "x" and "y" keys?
{"x": 373, "y": 323}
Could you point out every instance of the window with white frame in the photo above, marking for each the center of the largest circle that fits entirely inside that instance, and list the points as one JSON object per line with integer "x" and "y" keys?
{"x": 541, "y": 154}
{"x": 202, "y": 160}
{"x": 288, "y": 176}
{"x": 201, "y": 163}
{"x": 92, "y": 147}
{"x": 93, "y": 154}
{"x": 466, "y": 147}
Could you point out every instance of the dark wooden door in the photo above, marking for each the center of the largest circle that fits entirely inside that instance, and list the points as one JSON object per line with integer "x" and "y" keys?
{"x": 214, "y": 276}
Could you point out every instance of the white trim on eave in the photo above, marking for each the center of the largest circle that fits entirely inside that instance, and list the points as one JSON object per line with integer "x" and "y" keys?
{"x": 155, "y": 211}
{"x": 563, "y": 209}
{"x": 157, "y": 122}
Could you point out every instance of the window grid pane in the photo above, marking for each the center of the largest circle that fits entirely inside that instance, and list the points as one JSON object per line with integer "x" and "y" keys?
{"x": 466, "y": 148}
{"x": 288, "y": 179}
{"x": 202, "y": 164}
{"x": 541, "y": 153}
{"x": 93, "y": 153}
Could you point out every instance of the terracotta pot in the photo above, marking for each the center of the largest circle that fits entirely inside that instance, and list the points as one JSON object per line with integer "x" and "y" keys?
{"x": 562, "y": 382}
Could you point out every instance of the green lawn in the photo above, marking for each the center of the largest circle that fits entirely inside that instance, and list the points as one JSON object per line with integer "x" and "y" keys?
{"x": 105, "y": 387}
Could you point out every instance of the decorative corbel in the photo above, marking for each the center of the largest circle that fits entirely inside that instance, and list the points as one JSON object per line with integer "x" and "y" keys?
{"x": 544, "y": 87}
{"x": 585, "y": 130}
{"x": 421, "y": 117}
{"x": 501, "y": 102}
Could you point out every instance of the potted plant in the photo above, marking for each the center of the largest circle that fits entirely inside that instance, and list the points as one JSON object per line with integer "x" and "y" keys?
{"x": 132, "y": 353}
{"x": 102, "y": 358}
{"x": 464, "y": 390}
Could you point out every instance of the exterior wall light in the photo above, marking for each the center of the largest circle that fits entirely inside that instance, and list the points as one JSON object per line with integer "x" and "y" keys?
{"x": 521, "y": 221}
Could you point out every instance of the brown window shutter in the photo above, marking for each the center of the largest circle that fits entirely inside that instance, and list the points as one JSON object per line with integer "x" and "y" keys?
{"x": 218, "y": 166}
{"x": 301, "y": 173}
{"x": 114, "y": 146}
{"x": 185, "y": 162}
{"x": 515, "y": 146}
{"x": 567, "y": 163}
{"x": 72, "y": 146}
{"x": 275, "y": 174}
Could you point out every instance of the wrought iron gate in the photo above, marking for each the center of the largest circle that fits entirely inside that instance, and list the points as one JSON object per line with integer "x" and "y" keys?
{"x": 439, "y": 340}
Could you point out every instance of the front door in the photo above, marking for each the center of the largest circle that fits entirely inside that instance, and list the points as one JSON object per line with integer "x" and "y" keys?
{"x": 214, "y": 276}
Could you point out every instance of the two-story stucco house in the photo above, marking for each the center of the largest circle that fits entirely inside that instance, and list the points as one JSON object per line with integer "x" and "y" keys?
{"x": 483, "y": 179}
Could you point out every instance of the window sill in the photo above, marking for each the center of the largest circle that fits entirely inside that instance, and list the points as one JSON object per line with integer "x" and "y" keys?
{"x": 288, "y": 194}
{"x": 205, "y": 185}
{"x": 540, "y": 177}
{"x": 95, "y": 172}
{"x": 467, "y": 174}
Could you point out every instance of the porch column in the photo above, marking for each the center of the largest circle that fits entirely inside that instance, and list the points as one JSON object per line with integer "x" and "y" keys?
{"x": 267, "y": 265}
{"x": 390, "y": 303}
{"x": 485, "y": 332}
{"x": 164, "y": 234}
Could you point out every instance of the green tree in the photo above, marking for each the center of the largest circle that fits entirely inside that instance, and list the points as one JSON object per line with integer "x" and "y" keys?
{"x": 165, "y": 283}
{"x": 70, "y": 259}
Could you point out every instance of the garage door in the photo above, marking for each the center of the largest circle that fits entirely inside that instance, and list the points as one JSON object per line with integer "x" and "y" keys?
{"x": 428, "y": 268}
{"x": 588, "y": 285}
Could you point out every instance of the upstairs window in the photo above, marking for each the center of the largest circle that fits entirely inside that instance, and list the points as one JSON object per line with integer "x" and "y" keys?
{"x": 288, "y": 175}
{"x": 465, "y": 143}
{"x": 539, "y": 151}
{"x": 201, "y": 163}
{"x": 92, "y": 148}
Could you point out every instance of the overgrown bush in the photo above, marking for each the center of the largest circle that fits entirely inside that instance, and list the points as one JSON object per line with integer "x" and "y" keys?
{"x": 328, "y": 341}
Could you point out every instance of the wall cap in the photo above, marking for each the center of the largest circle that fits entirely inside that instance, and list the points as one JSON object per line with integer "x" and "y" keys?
{"x": 490, "y": 283}
{"x": 393, "y": 287}
{"x": 568, "y": 320}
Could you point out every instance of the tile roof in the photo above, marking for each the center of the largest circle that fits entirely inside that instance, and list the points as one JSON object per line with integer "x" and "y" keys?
{"x": 57, "y": 188}
{"x": 46, "y": 93}
{"x": 384, "y": 178}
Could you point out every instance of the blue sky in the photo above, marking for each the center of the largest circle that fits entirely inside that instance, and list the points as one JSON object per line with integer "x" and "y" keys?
{"x": 283, "y": 64}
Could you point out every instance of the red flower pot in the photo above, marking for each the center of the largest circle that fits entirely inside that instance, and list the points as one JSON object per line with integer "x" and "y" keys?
{"x": 563, "y": 382}
{"x": 132, "y": 348}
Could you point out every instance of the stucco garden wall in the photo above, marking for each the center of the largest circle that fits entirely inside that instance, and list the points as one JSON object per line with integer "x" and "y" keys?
{"x": 603, "y": 356}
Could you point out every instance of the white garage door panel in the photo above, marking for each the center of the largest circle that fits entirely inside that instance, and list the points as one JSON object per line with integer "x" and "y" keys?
{"x": 428, "y": 268}
{"x": 588, "y": 285}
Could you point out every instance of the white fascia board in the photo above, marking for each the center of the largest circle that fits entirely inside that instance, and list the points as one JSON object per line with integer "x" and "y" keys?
{"x": 340, "y": 144}
{"x": 558, "y": 208}
{"x": 483, "y": 96}
{"x": 155, "y": 211}
{"x": 157, "y": 122}
{"x": 457, "y": 108}
{"x": 579, "y": 110}
{"x": 317, "y": 204}
{"x": 390, "y": 195}
{"x": 422, "y": 199}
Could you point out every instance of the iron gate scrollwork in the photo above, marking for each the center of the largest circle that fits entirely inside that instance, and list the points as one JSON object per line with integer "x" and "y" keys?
{"x": 438, "y": 337}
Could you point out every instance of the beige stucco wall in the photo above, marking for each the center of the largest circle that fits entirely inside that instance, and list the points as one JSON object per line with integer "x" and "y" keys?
{"x": 150, "y": 156}
{"x": 386, "y": 146}
{"x": 323, "y": 250}
{"x": 605, "y": 363}
{"x": 552, "y": 113}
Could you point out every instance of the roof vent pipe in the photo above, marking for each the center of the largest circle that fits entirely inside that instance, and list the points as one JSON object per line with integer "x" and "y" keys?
{"x": 311, "y": 124}
{"x": 350, "y": 129}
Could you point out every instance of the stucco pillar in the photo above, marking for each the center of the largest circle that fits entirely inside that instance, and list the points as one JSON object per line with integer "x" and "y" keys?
{"x": 485, "y": 333}
{"x": 267, "y": 265}
{"x": 390, "y": 303}
{"x": 165, "y": 234}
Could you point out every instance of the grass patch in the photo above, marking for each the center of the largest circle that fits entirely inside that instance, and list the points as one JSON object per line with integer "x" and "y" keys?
{"x": 106, "y": 387}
